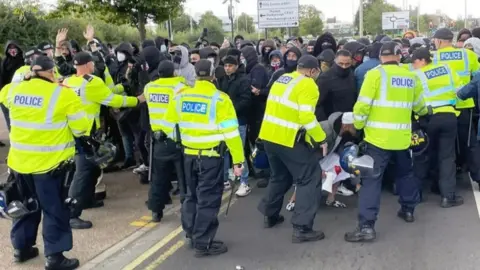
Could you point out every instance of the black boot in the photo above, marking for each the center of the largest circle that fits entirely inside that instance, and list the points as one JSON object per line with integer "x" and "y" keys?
{"x": 80, "y": 224}
{"x": 95, "y": 204}
{"x": 406, "y": 215}
{"x": 451, "y": 201}
{"x": 59, "y": 262}
{"x": 23, "y": 255}
{"x": 302, "y": 234}
{"x": 270, "y": 222}
{"x": 263, "y": 183}
{"x": 215, "y": 248}
{"x": 361, "y": 234}
{"x": 157, "y": 216}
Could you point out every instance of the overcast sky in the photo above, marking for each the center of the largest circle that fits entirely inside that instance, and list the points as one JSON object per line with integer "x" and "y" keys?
{"x": 342, "y": 9}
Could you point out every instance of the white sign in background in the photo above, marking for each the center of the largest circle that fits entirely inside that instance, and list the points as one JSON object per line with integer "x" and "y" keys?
{"x": 395, "y": 20}
{"x": 277, "y": 13}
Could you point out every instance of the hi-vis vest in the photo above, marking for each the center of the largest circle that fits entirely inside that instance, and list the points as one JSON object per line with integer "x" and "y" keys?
{"x": 408, "y": 66}
{"x": 158, "y": 95}
{"x": 462, "y": 61}
{"x": 439, "y": 85}
{"x": 44, "y": 119}
{"x": 20, "y": 74}
{"x": 384, "y": 106}
{"x": 93, "y": 92}
{"x": 290, "y": 107}
{"x": 205, "y": 117}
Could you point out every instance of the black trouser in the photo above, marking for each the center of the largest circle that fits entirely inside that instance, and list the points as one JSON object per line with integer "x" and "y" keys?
{"x": 469, "y": 154}
{"x": 83, "y": 185}
{"x": 299, "y": 164}
{"x": 204, "y": 179}
{"x": 441, "y": 131}
{"x": 164, "y": 154}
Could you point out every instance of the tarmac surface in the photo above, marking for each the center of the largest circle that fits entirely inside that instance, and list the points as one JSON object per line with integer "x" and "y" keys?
{"x": 124, "y": 238}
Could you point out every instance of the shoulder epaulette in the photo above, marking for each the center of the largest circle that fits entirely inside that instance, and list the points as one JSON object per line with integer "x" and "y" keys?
{"x": 88, "y": 77}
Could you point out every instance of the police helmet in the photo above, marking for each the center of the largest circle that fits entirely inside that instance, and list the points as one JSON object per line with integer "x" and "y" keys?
{"x": 259, "y": 156}
{"x": 419, "y": 142}
{"x": 351, "y": 161}
{"x": 104, "y": 154}
{"x": 13, "y": 202}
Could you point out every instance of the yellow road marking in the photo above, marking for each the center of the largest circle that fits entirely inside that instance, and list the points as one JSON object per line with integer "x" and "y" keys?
{"x": 146, "y": 218}
{"x": 143, "y": 257}
{"x": 139, "y": 223}
{"x": 165, "y": 255}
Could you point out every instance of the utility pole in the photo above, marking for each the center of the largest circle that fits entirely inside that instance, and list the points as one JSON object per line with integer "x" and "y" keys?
{"x": 231, "y": 15}
{"x": 191, "y": 21}
{"x": 360, "y": 19}
{"x": 418, "y": 18}
{"x": 466, "y": 19}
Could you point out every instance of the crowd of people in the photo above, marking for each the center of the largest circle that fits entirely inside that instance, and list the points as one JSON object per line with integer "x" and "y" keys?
{"x": 164, "y": 106}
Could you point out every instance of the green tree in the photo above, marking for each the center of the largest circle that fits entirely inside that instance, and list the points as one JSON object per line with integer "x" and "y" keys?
{"x": 182, "y": 23}
{"x": 140, "y": 12}
{"x": 213, "y": 24}
{"x": 310, "y": 21}
{"x": 87, "y": 9}
{"x": 245, "y": 23}
{"x": 372, "y": 15}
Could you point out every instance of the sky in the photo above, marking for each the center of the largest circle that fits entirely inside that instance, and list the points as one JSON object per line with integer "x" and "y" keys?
{"x": 342, "y": 9}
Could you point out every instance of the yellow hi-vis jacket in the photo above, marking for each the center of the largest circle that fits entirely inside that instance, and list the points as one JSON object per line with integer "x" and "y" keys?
{"x": 206, "y": 117}
{"x": 462, "y": 61}
{"x": 384, "y": 106}
{"x": 408, "y": 66}
{"x": 44, "y": 119}
{"x": 290, "y": 107}
{"x": 21, "y": 72}
{"x": 439, "y": 84}
{"x": 158, "y": 95}
{"x": 93, "y": 92}
{"x": 117, "y": 89}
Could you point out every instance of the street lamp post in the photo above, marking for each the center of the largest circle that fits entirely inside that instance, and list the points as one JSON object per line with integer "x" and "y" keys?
{"x": 465, "y": 22}
{"x": 360, "y": 19}
{"x": 230, "y": 14}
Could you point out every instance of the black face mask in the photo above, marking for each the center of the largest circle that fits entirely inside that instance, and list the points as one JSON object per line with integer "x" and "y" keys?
{"x": 326, "y": 46}
{"x": 340, "y": 71}
{"x": 177, "y": 59}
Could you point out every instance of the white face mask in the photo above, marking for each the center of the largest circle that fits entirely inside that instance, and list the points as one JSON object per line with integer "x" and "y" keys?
{"x": 121, "y": 57}
{"x": 211, "y": 59}
{"x": 163, "y": 48}
{"x": 243, "y": 61}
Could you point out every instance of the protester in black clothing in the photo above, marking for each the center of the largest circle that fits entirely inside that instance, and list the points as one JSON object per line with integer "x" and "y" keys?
{"x": 209, "y": 54}
{"x": 148, "y": 43}
{"x": 357, "y": 50}
{"x": 194, "y": 56}
{"x": 337, "y": 87}
{"x": 325, "y": 41}
{"x": 237, "y": 40}
{"x": 266, "y": 49}
{"x": 276, "y": 62}
{"x": 260, "y": 45}
{"x": 326, "y": 59}
{"x": 290, "y": 59}
{"x": 246, "y": 43}
{"x": 13, "y": 60}
{"x": 310, "y": 47}
{"x": 341, "y": 43}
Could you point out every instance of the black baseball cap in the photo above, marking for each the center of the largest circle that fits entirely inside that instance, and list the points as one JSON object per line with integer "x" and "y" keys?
{"x": 421, "y": 53}
{"x": 390, "y": 48}
{"x": 230, "y": 59}
{"x": 33, "y": 51}
{"x": 308, "y": 61}
{"x": 42, "y": 63}
{"x": 444, "y": 34}
{"x": 204, "y": 68}
{"x": 82, "y": 58}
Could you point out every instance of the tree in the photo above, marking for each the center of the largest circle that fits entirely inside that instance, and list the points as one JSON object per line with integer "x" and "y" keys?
{"x": 310, "y": 21}
{"x": 213, "y": 24}
{"x": 140, "y": 12}
{"x": 182, "y": 23}
{"x": 87, "y": 9}
{"x": 245, "y": 23}
{"x": 372, "y": 15}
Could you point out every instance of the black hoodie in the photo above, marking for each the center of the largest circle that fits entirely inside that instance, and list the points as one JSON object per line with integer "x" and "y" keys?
{"x": 264, "y": 58}
{"x": 326, "y": 37}
{"x": 10, "y": 64}
{"x": 284, "y": 69}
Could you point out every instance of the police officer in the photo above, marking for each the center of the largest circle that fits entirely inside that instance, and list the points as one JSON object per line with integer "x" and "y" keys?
{"x": 45, "y": 118}
{"x": 208, "y": 124}
{"x": 383, "y": 110}
{"x": 465, "y": 63}
{"x": 24, "y": 72}
{"x": 93, "y": 93}
{"x": 158, "y": 94}
{"x": 48, "y": 49}
{"x": 291, "y": 134}
{"x": 439, "y": 85}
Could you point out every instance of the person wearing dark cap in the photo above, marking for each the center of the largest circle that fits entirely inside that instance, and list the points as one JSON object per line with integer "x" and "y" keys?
{"x": 158, "y": 94}
{"x": 439, "y": 85}
{"x": 291, "y": 135}
{"x": 383, "y": 111}
{"x": 237, "y": 86}
{"x": 462, "y": 36}
{"x": 93, "y": 93}
{"x": 208, "y": 125}
{"x": 48, "y": 50}
{"x": 24, "y": 72}
{"x": 465, "y": 63}
{"x": 46, "y": 117}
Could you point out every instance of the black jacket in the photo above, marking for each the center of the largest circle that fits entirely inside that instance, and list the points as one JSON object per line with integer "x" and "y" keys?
{"x": 337, "y": 93}
{"x": 237, "y": 86}
{"x": 284, "y": 69}
{"x": 10, "y": 64}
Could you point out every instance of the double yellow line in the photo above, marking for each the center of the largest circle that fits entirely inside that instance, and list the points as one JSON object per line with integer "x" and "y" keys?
{"x": 167, "y": 239}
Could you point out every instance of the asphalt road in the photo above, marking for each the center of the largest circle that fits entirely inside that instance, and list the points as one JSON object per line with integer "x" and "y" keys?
{"x": 440, "y": 239}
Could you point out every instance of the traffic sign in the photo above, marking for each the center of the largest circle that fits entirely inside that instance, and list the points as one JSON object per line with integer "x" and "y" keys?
{"x": 277, "y": 13}
{"x": 395, "y": 20}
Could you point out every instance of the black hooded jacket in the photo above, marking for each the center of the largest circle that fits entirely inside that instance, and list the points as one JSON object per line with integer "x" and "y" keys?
{"x": 237, "y": 86}
{"x": 284, "y": 69}
{"x": 326, "y": 37}
{"x": 120, "y": 73}
{"x": 264, "y": 57}
{"x": 10, "y": 64}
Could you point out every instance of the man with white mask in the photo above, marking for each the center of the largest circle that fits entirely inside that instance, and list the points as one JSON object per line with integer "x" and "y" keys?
{"x": 182, "y": 65}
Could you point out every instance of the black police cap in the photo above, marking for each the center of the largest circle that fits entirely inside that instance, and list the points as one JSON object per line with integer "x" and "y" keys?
{"x": 390, "y": 48}
{"x": 444, "y": 34}
{"x": 45, "y": 46}
{"x": 308, "y": 61}
{"x": 421, "y": 53}
{"x": 33, "y": 51}
{"x": 82, "y": 58}
{"x": 204, "y": 68}
{"x": 42, "y": 63}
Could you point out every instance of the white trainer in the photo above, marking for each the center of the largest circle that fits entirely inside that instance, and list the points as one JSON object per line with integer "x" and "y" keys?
{"x": 140, "y": 169}
{"x": 343, "y": 191}
{"x": 243, "y": 190}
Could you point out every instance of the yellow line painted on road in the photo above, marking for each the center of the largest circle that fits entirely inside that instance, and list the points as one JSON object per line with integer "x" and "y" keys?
{"x": 143, "y": 257}
{"x": 139, "y": 223}
{"x": 165, "y": 255}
